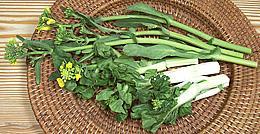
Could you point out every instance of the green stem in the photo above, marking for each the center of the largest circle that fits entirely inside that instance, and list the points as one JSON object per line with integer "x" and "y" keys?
{"x": 169, "y": 43}
{"x": 37, "y": 53}
{"x": 201, "y": 34}
{"x": 192, "y": 41}
{"x": 236, "y": 60}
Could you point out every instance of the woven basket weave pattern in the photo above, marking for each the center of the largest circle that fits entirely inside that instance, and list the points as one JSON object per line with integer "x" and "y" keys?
{"x": 235, "y": 110}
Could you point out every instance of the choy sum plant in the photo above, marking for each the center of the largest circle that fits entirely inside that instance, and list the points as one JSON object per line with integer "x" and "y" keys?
{"x": 121, "y": 67}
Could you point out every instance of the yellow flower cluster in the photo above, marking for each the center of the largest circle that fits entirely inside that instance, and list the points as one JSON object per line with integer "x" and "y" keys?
{"x": 68, "y": 72}
{"x": 46, "y": 22}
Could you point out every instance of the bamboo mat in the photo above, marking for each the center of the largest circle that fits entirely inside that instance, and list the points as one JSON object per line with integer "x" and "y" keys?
{"x": 20, "y": 17}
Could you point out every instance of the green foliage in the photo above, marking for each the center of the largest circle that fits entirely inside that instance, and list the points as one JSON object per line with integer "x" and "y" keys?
{"x": 14, "y": 51}
{"x": 162, "y": 51}
{"x": 144, "y": 8}
{"x": 70, "y": 85}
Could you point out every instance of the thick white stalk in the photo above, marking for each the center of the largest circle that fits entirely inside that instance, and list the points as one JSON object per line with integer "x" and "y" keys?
{"x": 190, "y": 72}
{"x": 169, "y": 63}
{"x": 209, "y": 93}
{"x": 194, "y": 90}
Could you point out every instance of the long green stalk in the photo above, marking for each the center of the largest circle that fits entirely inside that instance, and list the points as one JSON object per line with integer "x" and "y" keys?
{"x": 195, "y": 42}
{"x": 177, "y": 24}
{"x": 169, "y": 43}
{"x": 190, "y": 40}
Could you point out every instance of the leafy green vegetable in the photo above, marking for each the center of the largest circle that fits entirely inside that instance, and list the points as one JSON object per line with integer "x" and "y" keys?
{"x": 117, "y": 106}
{"x": 84, "y": 92}
{"x": 121, "y": 117}
{"x": 104, "y": 94}
{"x": 70, "y": 85}
{"x": 54, "y": 75}
{"x": 162, "y": 51}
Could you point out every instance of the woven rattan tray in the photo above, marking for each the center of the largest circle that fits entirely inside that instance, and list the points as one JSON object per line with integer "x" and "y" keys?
{"x": 236, "y": 110}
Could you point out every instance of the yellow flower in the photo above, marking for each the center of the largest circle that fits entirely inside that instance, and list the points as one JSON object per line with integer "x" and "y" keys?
{"x": 61, "y": 67}
{"x": 44, "y": 28}
{"x": 60, "y": 82}
{"x": 69, "y": 65}
{"x": 51, "y": 21}
{"x": 78, "y": 76}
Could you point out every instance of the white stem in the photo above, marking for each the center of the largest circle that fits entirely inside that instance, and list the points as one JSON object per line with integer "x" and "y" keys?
{"x": 196, "y": 88}
{"x": 207, "y": 94}
{"x": 190, "y": 72}
{"x": 161, "y": 66}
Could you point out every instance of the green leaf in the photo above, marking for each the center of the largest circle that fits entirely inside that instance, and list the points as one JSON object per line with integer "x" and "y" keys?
{"x": 84, "y": 92}
{"x": 104, "y": 94}
{"x": 38, "y": 71}
{"x": 102, "y": 50}
{"x": 144, "y": 8}
{"x": 148, "y": 121}
{"x": 70, "y": 85}
{"x": 20, "y": 38}
{"x": 54, "y": 75}
{"x": 42, "y": 44}
{"x": 162, "y": 51}
{"x": 61, "y": 53}
{"x": 185, "y": 109}
{"x": 127, "y": 61}
{"x": 155, "y": 52}
{"x": 121, "y": 117}
{"x": 117, "y": 106}
{"x": 172, "y": 117}
{"x": 137, "y": 110}
{"x": 124, "y": 94}
{"x": 56, "y": 60}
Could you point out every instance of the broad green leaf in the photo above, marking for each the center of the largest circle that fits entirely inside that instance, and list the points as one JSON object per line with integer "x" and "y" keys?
{"x": 54, "y": 75}
{"x": 171, "y": 118}
{"x": 117, "y": 106}
{"x": 104, "y": 94}
{"x": 127, "y": 97}
{"x": 70, "y": 85}
{"x": 88, "y": 93}
{"x": 162, "y": 51}
{"x": 144, "y": 8}
{"x": 38, "y": 71}
{"x": 185, "y": 109}
{"x": 137, "y": 110}
{"x": 102, "y": 50}
{"x": 127, "y": 61}
{"x": 121, "y": 117}
{"x": 60, "y": 52}
{"x": 56, "y": 60}
{"x": 84, "y": 92}
{"x": 42, "y": 44}
{"x": 124, "y": 93}
{"x": 154, "y": 52}
{"x": 148, "y": 121}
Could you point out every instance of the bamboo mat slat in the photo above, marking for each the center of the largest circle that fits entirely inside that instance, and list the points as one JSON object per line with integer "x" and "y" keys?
{"x": 20, "y": 17}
